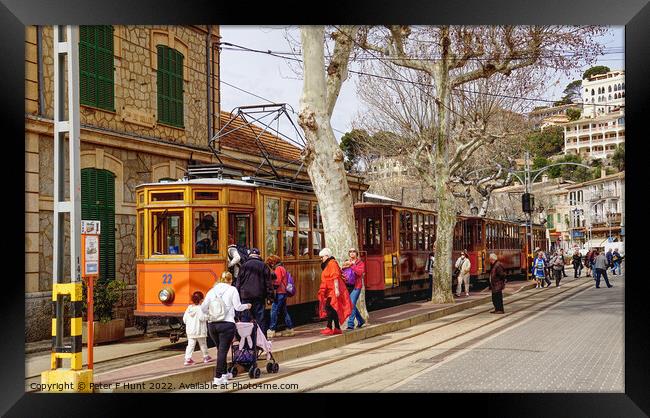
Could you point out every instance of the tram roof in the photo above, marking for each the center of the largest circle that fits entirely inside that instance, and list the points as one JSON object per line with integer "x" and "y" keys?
{"x": 201, "y": 182}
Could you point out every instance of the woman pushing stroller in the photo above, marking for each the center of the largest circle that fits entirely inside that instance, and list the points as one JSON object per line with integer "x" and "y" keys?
{"x": 220, "y": 305}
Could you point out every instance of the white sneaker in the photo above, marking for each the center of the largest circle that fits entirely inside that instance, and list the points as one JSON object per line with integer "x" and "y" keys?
{"x": 270, "y": 333}
{"x": 223, "y": 380}
{"x": 228, "y": 376}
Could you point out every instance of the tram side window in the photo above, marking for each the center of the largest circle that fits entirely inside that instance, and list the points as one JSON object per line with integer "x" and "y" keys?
{"x": 488, "y": 233}
{"x": 206, "y": 232}
{"x": 432, "y": 235}
{"x": 372, "y": 235}
{"x": 167, "y": 232}
{"x": 272, "y": 225}
{"x": 318, "y": 237}
{"x": 389, "y": 227}
{"x": 303, "y": 228}
{"x": 416, "y": 223}
{"x": 289, "y": 228}
{"x": 426, "y": 231}
{"x": 402, "y": 231}
{"x": 140, "y": 237}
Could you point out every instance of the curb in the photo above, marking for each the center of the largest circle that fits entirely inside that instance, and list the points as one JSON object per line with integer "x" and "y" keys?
{"x": 204, "y": 374}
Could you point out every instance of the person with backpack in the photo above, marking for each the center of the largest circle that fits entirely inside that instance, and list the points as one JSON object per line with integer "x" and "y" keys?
{"x": 219, "y": 305}
{"x": 279, "y": 305}
{"x": 359, "y": 269}
{"x": 255, "y": 287}
{"x": 557, "y": 264}
{"x": 196, "y": 329}
{"x": 237, "y": 256}
{"x": 539, "y": 268}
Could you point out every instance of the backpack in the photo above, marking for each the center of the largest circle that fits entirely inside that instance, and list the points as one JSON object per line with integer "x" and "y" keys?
{"x": 348, "y": 276}
{"x": 217, "y": 309}
{"x": 291, "y": 285}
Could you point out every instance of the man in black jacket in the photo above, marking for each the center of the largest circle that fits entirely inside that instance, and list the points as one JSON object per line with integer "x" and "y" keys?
{"x": 255, "y": 287}
{"x": 497, "y": 283}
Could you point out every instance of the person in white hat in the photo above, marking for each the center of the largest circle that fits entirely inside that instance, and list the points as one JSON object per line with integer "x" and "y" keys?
{"x": 334, "y": 300}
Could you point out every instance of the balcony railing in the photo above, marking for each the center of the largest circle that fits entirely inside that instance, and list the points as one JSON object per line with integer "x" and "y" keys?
{"x": 614, "y": 218}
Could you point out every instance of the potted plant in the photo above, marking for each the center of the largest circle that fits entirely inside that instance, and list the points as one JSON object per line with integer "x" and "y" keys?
{"x": 107, "y": 328}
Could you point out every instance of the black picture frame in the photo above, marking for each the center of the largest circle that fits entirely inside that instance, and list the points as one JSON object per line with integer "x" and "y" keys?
{"x": 634, "y": 14}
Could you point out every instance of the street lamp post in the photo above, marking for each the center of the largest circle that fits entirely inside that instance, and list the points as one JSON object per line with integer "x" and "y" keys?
{"x": 527, "y": 182}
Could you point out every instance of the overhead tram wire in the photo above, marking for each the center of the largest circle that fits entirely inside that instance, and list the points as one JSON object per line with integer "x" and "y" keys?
{"x": 263, "y": 98}
{"x": 274, "y": 54}
{"x": 531, "y": 99}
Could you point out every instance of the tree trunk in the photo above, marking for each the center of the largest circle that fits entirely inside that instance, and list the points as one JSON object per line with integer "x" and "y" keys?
{"x": 323, "y": 157}
{"x": 442, "y": 292}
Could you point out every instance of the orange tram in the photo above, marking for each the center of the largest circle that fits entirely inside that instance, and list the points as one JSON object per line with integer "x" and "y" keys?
{"x": 183, "y": 228}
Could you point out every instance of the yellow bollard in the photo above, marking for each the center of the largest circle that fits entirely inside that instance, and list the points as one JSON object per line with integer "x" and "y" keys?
{"x": 60, "y": 379}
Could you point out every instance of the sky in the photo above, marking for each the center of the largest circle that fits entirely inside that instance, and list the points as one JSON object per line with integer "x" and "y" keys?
{"x": 275, "y": 80}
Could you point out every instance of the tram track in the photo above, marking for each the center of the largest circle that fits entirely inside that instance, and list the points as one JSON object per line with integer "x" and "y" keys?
{"x": 122, "y": 361}
{"x": 558, "y": 296}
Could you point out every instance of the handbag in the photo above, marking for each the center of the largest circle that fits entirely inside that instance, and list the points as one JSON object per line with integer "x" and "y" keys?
{"x": 348, "y": 276}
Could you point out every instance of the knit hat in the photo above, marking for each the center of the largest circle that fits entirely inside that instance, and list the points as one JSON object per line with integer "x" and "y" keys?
{"x": 325, "y": 252}
{"x": 255, "y": 251}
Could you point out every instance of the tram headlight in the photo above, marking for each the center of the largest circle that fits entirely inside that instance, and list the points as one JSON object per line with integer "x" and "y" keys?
{"x": 166, "y": 295}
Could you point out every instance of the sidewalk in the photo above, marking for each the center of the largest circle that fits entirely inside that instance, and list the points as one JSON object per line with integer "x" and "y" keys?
{"x": 308, "y": 340}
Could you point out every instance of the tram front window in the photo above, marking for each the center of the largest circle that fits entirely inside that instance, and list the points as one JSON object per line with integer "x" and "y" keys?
{"x": 167, "y": 234}
{"x": 206, "y": 232}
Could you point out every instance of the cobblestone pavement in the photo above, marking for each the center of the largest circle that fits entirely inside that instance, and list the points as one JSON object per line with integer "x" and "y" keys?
{"x": 575, "y": 346}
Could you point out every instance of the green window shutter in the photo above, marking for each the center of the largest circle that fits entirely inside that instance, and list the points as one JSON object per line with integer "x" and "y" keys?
{"x": 98, "y": 203}
{"x": 96, "y": 79}
{"x": 170, "y": 86}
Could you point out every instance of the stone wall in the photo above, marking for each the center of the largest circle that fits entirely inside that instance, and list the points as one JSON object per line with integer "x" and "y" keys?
{"x": 135, "y": 80}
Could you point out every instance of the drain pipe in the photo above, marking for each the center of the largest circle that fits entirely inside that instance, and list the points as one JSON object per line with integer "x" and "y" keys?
{"x": 208, "y": 79}
{"x": 39, "y": 66}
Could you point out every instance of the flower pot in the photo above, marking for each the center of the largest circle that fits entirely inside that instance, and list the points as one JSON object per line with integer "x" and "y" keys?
{"x": 104, "y": 332}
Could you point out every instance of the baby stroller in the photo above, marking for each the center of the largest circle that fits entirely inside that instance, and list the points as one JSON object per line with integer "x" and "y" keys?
{"x": 248, "y": 351}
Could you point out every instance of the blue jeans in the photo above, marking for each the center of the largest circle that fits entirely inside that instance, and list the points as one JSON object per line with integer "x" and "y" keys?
{"x": 617, "y": 266}
{"x": 257, "y": 310}
{"x": 354, "y": 296}
{"x": 278, "y": 306}
{"x": 602, "y": 272}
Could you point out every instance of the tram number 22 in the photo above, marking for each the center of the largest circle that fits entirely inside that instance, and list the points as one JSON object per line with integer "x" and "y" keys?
{"x": 167, "y": 279}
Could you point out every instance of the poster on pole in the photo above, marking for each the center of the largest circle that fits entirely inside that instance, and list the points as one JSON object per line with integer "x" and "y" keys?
{"x": 90, "y": 231}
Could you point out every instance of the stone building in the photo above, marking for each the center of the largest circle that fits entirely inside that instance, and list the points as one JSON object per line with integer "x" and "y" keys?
{"x": 125, "y": 75}
{"x": 150, "y": 101}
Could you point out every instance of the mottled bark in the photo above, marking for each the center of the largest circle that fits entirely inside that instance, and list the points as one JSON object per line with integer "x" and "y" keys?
{"x": 323, "y": 157}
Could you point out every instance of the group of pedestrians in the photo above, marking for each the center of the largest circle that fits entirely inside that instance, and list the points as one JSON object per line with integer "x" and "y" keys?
{"x": 545, "y": 266}
{"x": 241, "y": 293}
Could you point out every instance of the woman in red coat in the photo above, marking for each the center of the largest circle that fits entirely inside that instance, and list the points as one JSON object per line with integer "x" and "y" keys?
{"x": 334, "y": 300}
